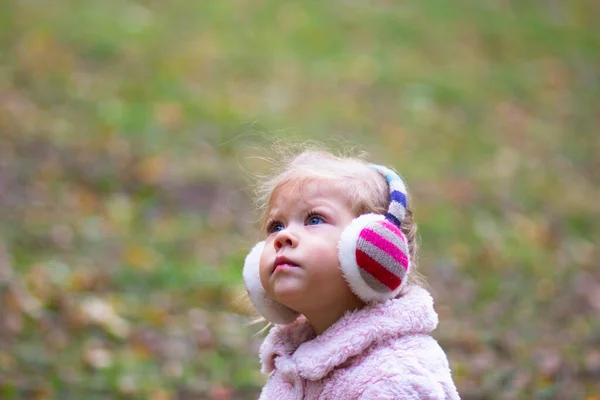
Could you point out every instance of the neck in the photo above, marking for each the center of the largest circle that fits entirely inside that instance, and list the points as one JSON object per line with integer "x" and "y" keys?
{"x": 323, "y": 317}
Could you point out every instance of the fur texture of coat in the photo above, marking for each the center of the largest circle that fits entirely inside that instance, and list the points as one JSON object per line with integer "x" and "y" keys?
{"x": 382, "y": 351}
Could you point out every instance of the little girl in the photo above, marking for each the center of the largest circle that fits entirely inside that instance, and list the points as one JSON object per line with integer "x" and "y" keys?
{"x": 335, "y": 274}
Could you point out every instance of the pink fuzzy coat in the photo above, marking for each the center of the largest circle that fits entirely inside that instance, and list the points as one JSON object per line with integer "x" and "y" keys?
{"x": 383, "y": 351}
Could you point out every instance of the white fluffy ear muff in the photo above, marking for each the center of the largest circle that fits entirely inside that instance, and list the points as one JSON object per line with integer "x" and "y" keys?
{"x": 272, "y": 310}
{"x": 373, "y": 251}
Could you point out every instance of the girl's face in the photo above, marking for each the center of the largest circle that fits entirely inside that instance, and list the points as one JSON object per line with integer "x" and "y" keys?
{"x": 299, "y": 266}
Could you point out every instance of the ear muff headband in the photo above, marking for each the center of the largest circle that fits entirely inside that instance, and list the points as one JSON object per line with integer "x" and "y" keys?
{"x": 397, "y": 207}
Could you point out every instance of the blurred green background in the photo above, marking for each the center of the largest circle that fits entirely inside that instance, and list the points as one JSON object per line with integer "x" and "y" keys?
{"x": 128, "y": 131}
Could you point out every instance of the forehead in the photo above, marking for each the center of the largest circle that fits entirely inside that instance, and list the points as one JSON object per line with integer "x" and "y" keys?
{"x": 306, "y": 192}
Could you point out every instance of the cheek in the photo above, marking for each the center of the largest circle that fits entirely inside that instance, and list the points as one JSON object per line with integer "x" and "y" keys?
{"x": 326, "y": 252}
{"x": 263, "y": 267}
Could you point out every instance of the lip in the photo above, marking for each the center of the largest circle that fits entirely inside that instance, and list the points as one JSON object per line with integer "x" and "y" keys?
{"x": 281, "y": 261}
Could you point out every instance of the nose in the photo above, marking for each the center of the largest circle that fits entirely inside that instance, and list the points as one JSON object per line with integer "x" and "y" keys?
{"x": 285, "y": 237}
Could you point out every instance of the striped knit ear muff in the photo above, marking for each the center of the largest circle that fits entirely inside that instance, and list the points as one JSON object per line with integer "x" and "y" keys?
{"x": 373, "y": 251}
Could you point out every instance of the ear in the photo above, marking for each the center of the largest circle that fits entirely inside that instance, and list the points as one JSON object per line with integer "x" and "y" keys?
{"x": 270, "y": 309}
{"x": 373, "y": 255}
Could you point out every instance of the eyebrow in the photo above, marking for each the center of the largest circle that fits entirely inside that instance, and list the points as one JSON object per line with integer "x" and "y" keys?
{"x": 309, "y": 205}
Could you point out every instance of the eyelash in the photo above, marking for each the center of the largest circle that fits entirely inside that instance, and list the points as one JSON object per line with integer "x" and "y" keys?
{"x": 271, "y": 224}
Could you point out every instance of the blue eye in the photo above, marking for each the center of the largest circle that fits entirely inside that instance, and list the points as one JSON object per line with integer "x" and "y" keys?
{"x": 315, "y": 220}
{"x": 274, "y": 227}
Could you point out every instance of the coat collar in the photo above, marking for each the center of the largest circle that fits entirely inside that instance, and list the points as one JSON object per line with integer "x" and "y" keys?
{"x": 315, "y": 356}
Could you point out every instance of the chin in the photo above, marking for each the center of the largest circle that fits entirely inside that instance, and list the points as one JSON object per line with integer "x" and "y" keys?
{"x": 288, "y": 296}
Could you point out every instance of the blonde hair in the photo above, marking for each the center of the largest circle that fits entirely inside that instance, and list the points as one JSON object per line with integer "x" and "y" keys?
{"x": 366, "y": 189}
